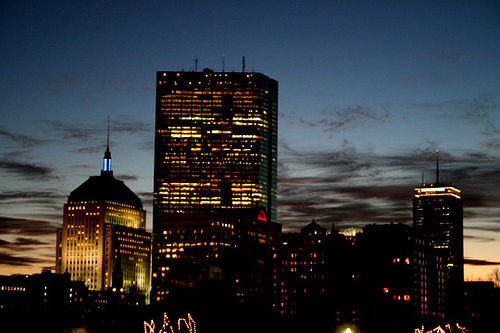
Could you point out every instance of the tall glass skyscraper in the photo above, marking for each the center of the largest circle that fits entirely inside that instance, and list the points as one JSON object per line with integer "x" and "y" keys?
{"x": 215, "y": 166}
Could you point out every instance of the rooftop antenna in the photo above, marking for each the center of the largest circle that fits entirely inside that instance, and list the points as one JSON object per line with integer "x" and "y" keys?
{"x": 423, "y": 181}
{"x": 223, "y": 63}
{"x": 196, "y": 64}
{"x": 437, "y": 166}
{"x": 106, "y": 162}
{"x": 107, "y": 137}
{"x": 243, "y": 65}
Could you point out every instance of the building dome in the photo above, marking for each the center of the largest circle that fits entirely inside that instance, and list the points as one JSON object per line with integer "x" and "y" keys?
{"x": 105, "y": 187}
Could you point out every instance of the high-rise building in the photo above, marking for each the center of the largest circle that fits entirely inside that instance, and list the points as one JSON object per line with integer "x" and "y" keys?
{"x": 438, "y": 226}
{"x": 216, "y": 142}
{"x": 215, "y": 175}
{"x": 103, "y": 241}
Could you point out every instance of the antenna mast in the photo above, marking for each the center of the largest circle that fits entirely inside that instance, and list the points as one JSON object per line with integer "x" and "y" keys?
{"x": 223, "y": 63}
{"x": 107, "y": 137}
{"x": 106, "y": 162}
{"x": 437, "y": 166}
{"x": 196, "y": 64}
{"x": 243, "y": 65}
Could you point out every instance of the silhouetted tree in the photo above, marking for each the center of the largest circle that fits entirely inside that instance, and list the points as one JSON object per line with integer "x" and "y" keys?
{"x": 495, "y": 277}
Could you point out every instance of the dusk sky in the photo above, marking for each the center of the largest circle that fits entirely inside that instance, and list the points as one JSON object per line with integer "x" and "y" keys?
{"x": 367, "y": 92}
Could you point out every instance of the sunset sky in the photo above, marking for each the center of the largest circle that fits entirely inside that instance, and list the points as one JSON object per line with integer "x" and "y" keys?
{"x": 367, "y": 91}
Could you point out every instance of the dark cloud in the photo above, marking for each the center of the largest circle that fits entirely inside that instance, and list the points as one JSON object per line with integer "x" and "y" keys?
{"x": 89, "y": 132}
{"x": 335, "y": 119}
{"x": 479, "y": 238}
{"x": 147, "y": 145}
{"x": 147, "y": 198}
{"x": 45, "y": 199}
{"x": 309, "y": 180}
{"x": 11, "y": 260}
{"x": 90, "y": 149}
{"x": 283, "y": 115}
{"x": 351, "y": 116}
{"x": 21, "y": 243}
{"x": 18, "y": 154}
{"x": 491, "y": 227}
{"x": 12, "y": 195}
{"x": 480, "y": 262}
{"x": 127, "y": 177}
{"x": 82, "y": 132}
{"x": 25, "y": 227}
{"x": 345, "y": 186}
{"x": 21, "y": 139}
{"x": 50, "y": 216}
{"x": 491, "y": 129}
{"x": 493, "y": 144}
{"x": 471, "y": 109}
{"x": 82, "y": 166}
{"x": 28, "y": 171}
{"x": 130, "y": 126}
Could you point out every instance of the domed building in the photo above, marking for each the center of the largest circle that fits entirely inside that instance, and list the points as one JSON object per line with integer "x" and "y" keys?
{"x": 103, "y": 241}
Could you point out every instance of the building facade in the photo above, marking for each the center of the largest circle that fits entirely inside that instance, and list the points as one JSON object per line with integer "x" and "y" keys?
{"x": 438, "y": 226}
{"x": 215, "y": 178}
{"x": 216, "y": 142}
{"x": 103, "y": 241}
{"x": 41, "y": 291}
{"x": 303, "y": 282}
{"x": 360, "y": 279}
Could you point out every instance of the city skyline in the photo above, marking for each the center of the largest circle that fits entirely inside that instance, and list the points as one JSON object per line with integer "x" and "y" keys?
{"x": 367, "y": 93}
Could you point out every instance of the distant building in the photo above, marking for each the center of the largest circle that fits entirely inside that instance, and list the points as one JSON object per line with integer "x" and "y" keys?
{"x": 344, "y": 276}
{"x": 386, "y": 265}
{"x": 45, "y": 291}
{"x": 103, "y": 241}
{"x": 319, "y": 279}
{"x": 366, "y": 279}
{"x": 303, "y": 274}
{"x": 482, "y": 306}
{"x": 438, "y": 226}
{"x": 215, "y": 182}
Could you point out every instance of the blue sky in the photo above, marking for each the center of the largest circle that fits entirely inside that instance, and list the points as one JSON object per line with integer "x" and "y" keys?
{"x": 368, "y": 91}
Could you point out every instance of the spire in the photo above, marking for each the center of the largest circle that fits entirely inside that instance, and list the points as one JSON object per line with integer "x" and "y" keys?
{"x": 437, "y": 166}
{"x": 106, "y": 163}
{"x": 107, "y": 137}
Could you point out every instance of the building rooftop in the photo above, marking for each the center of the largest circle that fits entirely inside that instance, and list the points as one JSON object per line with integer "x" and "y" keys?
{"x": 105, "y": 187}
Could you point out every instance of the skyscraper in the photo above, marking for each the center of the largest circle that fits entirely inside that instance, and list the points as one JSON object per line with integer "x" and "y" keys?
{"x": 103, "y": 241}
{"x": 438, "y": 225}
{"x": 215, "y": 172}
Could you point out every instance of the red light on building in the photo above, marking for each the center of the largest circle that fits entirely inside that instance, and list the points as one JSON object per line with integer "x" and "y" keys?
{"x": 262, "y": 216}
